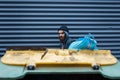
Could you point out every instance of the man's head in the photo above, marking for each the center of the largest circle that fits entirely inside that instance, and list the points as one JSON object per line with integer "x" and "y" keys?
{"x": 63, "y": 31}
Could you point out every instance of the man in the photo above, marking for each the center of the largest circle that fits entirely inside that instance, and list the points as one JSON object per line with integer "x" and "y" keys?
{"x": 65, "y": 40}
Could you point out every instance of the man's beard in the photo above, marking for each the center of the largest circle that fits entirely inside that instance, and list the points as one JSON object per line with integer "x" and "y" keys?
{"x": 61, "y": 39}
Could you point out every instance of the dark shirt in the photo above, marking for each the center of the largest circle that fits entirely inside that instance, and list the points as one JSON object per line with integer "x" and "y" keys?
{"x": 66, "y": 44}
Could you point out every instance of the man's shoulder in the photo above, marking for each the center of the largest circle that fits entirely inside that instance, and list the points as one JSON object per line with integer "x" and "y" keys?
{"x": 70, "y": 40}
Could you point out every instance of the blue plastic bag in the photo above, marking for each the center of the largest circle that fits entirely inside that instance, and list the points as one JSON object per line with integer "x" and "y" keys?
{"x": 87, "y": 42}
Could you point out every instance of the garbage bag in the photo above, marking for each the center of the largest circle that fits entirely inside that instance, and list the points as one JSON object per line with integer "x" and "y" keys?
{"x": 88, "y": 42}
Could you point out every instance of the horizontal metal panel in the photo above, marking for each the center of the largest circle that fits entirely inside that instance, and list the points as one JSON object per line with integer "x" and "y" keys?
{"x": 35, "y": 22}
{"x": 38, "y": 44}
{"x": 30, "y": 44}
{"x": 73, "y": 35}
{"x": 59, "y": 14}
{"x": 79, "y": 27}
{"x": 55, "y": 31}
{"x": 42, "y": 5}
{"x": 58, "y": 18}
{"x": 110, "y": 48}
{"x": 29, "y": 40}
{"x": 63, "y": 9}
{"x": 62, "y": 22}
{"x": 34, "y": 40}
{"x": 50, "y": 44}
{"x": 61, "y": 1}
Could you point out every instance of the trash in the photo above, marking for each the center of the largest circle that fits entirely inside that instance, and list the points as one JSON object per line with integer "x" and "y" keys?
{"x": 88, "y": 42}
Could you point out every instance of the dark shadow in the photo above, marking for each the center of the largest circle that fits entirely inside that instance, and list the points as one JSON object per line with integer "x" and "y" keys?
{"x": 64, "y": 77}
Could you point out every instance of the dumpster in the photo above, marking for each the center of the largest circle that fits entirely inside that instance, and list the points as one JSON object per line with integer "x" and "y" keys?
{"x": 17, "y": 63}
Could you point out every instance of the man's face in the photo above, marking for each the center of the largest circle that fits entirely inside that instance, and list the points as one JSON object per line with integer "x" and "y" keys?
{"x": 61, "y": 35}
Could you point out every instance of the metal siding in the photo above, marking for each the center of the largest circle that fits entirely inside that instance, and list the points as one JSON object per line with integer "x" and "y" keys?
{"x": 35, "y": 22}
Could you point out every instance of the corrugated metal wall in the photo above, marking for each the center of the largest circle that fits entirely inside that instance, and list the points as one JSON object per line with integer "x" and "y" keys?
{"x": 35, "y": 22}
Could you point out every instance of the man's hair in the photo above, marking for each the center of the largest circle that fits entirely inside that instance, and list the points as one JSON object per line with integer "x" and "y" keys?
{"x": 64, "y": 28}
